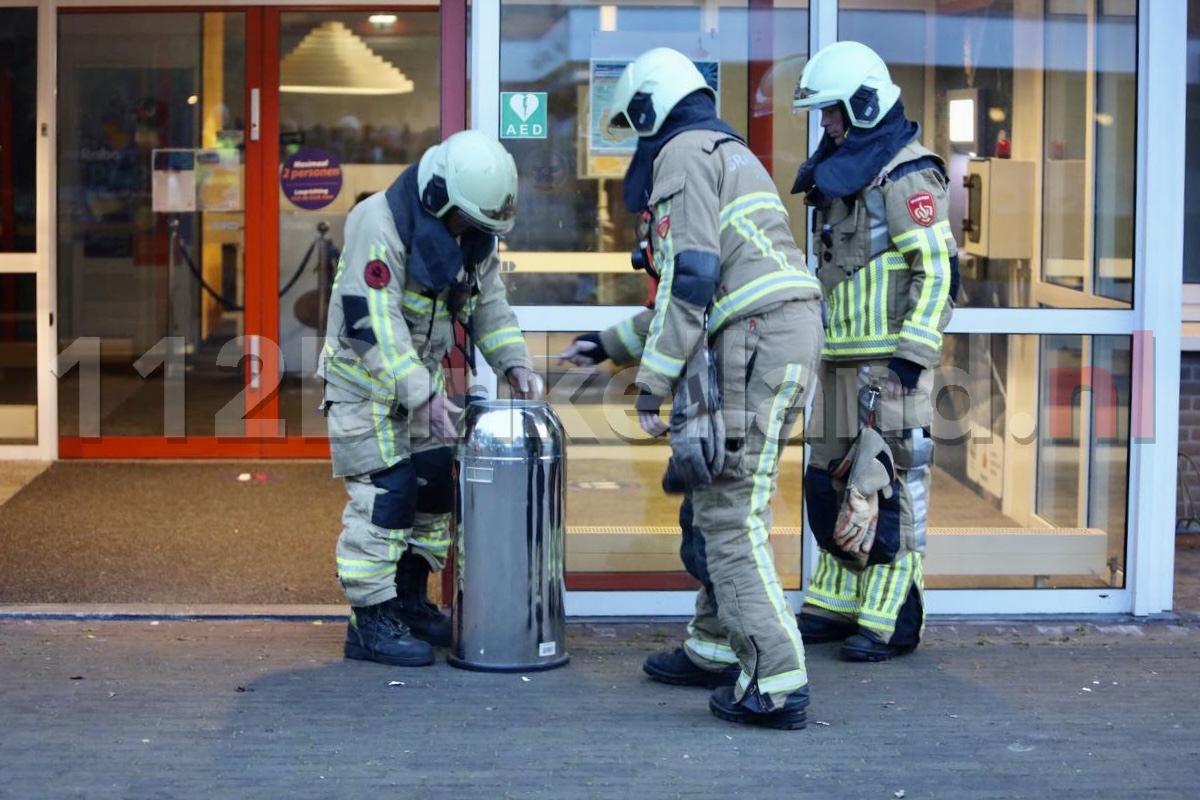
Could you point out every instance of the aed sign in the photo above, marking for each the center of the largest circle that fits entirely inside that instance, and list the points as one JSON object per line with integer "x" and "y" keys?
{"x": 522, "y": 115}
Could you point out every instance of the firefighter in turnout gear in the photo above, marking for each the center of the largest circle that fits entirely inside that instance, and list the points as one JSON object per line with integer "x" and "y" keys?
{"x": 418, "y": 257}
{"x": 733, "y": 283}
{"x": 888, "y": 264}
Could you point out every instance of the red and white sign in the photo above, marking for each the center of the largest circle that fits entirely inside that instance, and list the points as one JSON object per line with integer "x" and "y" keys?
{"x": 922, "y": 208}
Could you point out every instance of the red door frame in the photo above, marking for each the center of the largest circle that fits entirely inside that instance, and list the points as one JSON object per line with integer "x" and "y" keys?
{"x": 262, "y": 439}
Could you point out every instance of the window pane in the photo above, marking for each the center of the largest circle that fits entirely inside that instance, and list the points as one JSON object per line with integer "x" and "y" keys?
{"x": 18, "y": 359}
{"x": 150, "y": 222}
{"x": 1053, "y": 87}
{"x": 1030, "y": 483}
{"x": 573, "y": 235}
{"x": 18, "y": 129}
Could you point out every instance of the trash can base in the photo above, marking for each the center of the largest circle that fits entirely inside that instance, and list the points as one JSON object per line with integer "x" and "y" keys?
{"x": 540, "y": 666}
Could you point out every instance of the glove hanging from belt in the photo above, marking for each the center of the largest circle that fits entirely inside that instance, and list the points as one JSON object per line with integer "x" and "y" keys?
{"x": 869, "y": 471}
{"x": 697, "y": 429}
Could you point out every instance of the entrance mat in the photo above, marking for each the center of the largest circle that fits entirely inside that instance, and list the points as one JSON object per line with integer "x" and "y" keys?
{"x": 175, "y": 533}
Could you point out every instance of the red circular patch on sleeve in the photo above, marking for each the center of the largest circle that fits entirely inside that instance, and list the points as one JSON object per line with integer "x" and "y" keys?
{"x": 377, "y": 274}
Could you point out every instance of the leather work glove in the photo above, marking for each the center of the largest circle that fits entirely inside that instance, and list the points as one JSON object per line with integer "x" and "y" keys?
{"x": 869, "y": 471}
{"x": 437, "y": 417}
{"x": 585, "y": 351}
{"x": 524, "y": 383}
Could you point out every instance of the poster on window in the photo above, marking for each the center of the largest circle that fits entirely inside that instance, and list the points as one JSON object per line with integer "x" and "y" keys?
{"x": 173, "y": 186}
{"x": 609, "y": 151}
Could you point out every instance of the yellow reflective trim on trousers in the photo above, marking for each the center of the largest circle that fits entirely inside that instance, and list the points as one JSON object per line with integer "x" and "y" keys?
{"x": 738, "y": 214}
{"x": 833, "y": 587}
{"x": 711, "y": 651}
{"x": 783, "y": 683}
{"x": 500, "y": 337}
{"x": 760, "y": 500}
{"x": 417, "y": 302}
{"x": 361, "y": 568}
{"x": 434, "y": 536}
{"x": 731, "y": 305}
{"x": 627, "y": 332}
{"x": 885, "y": 588}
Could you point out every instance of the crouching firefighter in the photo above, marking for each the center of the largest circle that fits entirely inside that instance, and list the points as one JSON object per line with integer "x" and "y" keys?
{"x": 418, "y": 256}
{"x": 887, "y": 261}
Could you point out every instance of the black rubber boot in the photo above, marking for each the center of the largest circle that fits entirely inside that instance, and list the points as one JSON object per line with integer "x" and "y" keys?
{"x": 866, "y": 646}
{"x": 678, "y": 670}
{"x": 412, "y": 603}
{"x": 816, "y": 629}
{"x": 792, "y": 716}
{"x": 376, "y": 634}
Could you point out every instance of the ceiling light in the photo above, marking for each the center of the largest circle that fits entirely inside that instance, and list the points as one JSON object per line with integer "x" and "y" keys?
{"x": 332, "y": 60}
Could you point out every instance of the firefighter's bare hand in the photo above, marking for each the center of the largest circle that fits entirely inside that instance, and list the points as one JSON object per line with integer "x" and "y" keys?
{"x": 524, "y": 383}
{"x": 438, "y": 417}
{"x": 895, "y": 389}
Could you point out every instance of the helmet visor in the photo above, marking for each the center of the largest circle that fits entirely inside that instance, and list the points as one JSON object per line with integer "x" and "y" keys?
{"x": 494, "y": 220}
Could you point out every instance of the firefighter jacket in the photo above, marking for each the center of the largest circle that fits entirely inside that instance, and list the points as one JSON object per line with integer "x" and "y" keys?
{"x": 387, "y": 334}
{"x": 722, "y": 246}
{"x": 887, "y": 261}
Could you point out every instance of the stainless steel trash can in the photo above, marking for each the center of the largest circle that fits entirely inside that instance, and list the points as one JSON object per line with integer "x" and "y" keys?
{"x": 508, "y": 601}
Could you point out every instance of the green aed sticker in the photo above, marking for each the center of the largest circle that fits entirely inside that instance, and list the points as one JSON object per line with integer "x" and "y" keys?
{"x": 522, "y": 115}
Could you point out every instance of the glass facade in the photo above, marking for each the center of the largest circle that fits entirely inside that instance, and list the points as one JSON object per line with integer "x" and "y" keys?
{"x": 155, "y": 299}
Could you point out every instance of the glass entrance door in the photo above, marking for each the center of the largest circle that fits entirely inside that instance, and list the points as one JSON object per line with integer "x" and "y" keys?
{"x": 20, "y": 241}
{"x": 206, "y": 162}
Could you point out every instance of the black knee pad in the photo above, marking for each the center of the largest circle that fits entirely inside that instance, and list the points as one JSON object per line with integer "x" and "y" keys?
{"x": 395, "y": 506}
{"x": 435, "y": 480}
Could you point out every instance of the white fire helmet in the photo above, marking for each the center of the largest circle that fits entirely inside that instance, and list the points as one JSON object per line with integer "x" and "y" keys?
{"x": 472, "y": 172}
{"x": 651, "y": 85}
{"x": 852, "y": 74}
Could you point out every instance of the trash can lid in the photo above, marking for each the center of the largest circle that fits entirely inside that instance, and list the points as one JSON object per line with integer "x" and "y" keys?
{"x": 512, "y": 430}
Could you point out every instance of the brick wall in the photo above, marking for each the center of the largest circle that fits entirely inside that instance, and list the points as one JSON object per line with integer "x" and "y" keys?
{"x": 1189, "y": 439}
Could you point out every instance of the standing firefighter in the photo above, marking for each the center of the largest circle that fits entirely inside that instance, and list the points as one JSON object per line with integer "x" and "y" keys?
{"x": 887, "y": 261}
{"x": 730, "y": 276}
{"x": 418, "y": 257}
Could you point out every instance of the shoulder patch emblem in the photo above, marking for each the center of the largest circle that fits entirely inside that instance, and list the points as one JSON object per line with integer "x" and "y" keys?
{"x": 377, "y": 274}
{"x": 922, "y": 208}
{"x": 664, "y": 226}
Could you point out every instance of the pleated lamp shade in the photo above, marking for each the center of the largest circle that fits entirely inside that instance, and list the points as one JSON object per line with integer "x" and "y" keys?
{"x": 332, "y": 60}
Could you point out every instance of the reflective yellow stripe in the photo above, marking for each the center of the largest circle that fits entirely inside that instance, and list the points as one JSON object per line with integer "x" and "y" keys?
{"x": 626, "y": 331}
{"x": 833, "y": 587}
{"x": 738, "y": 214}
{"x": 746, "y": 296}
{"x": 652, "y": 358}
{"x": 934, "y": 262}
{"x": 762, "y": 480}
{"x": 501, "y": 337}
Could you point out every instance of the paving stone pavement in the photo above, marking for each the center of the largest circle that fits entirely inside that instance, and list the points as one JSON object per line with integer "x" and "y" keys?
{"x": 145, "y": 709}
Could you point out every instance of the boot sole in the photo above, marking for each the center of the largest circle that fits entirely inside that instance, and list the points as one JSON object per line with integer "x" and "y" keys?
{"x": 713, "y": 680}
{"x": 790, "y": 721}
{"x": 359, "y": 654}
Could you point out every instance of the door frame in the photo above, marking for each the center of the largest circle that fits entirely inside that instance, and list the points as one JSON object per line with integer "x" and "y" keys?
{"x": 261, "y": 365}
{"x": 40, "y": 263}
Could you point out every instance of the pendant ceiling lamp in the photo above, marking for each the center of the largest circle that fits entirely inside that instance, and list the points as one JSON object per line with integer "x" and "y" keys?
{"x": 332, "y": 60}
